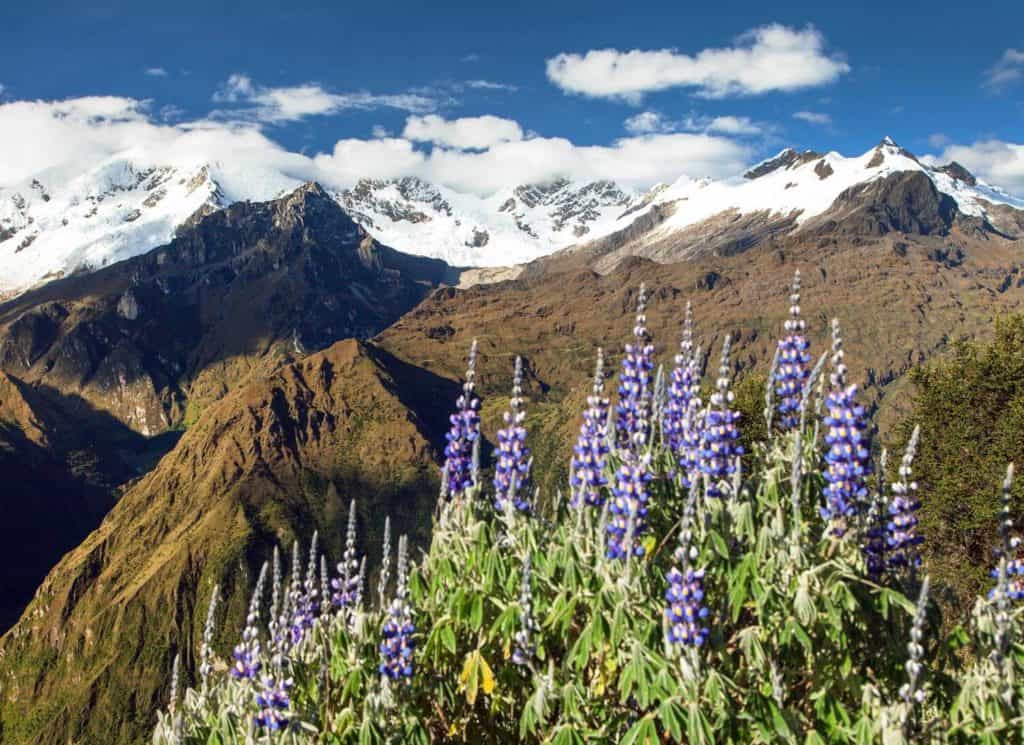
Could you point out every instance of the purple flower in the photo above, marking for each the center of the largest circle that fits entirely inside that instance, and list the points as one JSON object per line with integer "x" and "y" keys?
{"x": 633, "y": 412}
{"x": 719, "y": 443}
{"x": 685, "y": 611}
{"x": 681, "y": 421}
{"x": 793, "y": 371}
{"x": 273, "y": 701}
{"x": 346, "y": 584}
{"x": 628, "y": 509}
{"x": 462, "y": 437}
{"x": 1009, "y": 572}
{"x": 247, "y": 654}
{"x": 512, "y": 469}
{"x": 590, "y": 457}
{"x": 846, "y": 462}
{"x": 397, "y": 645}
{"x": 902, "y": 538}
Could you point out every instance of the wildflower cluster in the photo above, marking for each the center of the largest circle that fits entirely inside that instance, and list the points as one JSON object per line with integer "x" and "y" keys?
{"x": 760, "y": 626}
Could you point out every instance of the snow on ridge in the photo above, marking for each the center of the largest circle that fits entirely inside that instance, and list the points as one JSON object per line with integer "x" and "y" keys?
{"x": 68, "y": 219}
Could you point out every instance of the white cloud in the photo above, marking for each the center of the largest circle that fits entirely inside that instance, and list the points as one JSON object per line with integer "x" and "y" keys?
{"x": 470, "y": 58}
{"x": 653, "y": 122}
{"x": 379, "y": 131}
{"x": 292, "y": 103}
{"x": 57, "y": 140}
{"x": 155, "y": 72}
{"x": 813, "y": 117}
{"x": 1008, "y": 70}
{"x": 769, "y": 58}
{"x": 994, "y": 161}
{"x": 466, "y": 133}
{"x": 490, "y": 85}
{"x": 2, "y": 89}
{"x": 939, "y": 140}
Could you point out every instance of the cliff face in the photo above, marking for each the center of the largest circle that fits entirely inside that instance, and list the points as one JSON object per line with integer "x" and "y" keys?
{"x": 270, "y": 463}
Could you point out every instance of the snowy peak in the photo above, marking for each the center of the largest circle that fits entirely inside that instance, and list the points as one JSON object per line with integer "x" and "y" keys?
{"x": 788, "y": 158}
{"x": 513, "y": 226}
{"x": 114, "y": 211}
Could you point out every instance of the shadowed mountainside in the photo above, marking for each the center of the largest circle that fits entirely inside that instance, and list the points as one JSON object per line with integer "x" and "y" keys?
{"x": 154, "y": 339}
{"x": 269, "y": 463}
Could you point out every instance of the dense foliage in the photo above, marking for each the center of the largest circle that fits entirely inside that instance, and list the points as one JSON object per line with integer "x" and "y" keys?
{"x": 691, "y": 586}
{"x": 971, "y": 404}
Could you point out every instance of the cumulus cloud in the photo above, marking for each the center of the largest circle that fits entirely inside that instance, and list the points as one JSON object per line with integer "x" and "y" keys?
{"x": 653, "y": 122}
{"x": 155, "y": 72}
{"x": 466, "y": 133}
{"x": 997, "y": 162}
{"x": 769, "y": 58}
{"x": 293, "y": 103}
{"x": 1009, "y": 69}
{"x": 59, "y": 140}
{"x": 813, "y": 117}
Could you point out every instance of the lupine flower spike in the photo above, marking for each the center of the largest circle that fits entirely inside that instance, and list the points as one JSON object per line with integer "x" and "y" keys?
{"x": 462, "y": 436}
{"x": 247, "y": 662}
{"x": 273, "y": 702}
{"x": 633, "y": 412}
{"x": 681, "y": 421}
{"x": 512, "y": 469}
{"x": 524, "y": 650}
{"x": 719, "y": 445}
{"x": 396, "y": 649}
{"x": 206, "y": 647}
{"x": 385, "y": 566}
{"x": 874, "y": 528}
{"x": 628, "y": 508}
{"x": 793, "y": 370}
{"x": 1009, "y": 586}
{"x": 912, "y": 693}
{"x": 590, "y": 455}
{"x": 847, "y": 457}
{"x": 346, "y": 584}
{"x": 902, "y": 538}
{"x": 685, "y": 611}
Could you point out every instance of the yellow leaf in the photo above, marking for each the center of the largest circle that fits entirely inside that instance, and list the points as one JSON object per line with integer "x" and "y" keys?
{"x": 470, "y": 676}
{"x": 486, "y": 677}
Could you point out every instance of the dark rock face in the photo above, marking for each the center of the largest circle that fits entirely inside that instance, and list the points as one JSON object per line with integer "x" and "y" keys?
{"x": 252, "y": 282}
{"x": 788, "y": 158}
{"x": 905, "y": 202}
{"x": 957, "y": 171}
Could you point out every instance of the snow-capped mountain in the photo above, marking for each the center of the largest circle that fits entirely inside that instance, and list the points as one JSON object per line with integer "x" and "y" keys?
{"x": 57, "y": 223}
{"x": 513, "y": 226}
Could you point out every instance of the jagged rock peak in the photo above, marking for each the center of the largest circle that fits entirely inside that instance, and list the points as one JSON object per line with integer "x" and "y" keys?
{"x": 787, "y": 158}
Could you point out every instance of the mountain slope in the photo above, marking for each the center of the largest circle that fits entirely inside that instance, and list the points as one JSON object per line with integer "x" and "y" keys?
{"x": 153, "y": 339}
{"x": 887, "y": 189}
{"x": 271, "y": 462}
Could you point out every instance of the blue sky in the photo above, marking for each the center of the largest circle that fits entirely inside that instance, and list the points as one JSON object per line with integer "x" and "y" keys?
{"x": 942, "y": 78}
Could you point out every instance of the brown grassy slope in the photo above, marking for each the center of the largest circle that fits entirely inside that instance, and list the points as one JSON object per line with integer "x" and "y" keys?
{"x": 88, "y": 660}
{"x": 900, "y": 298}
